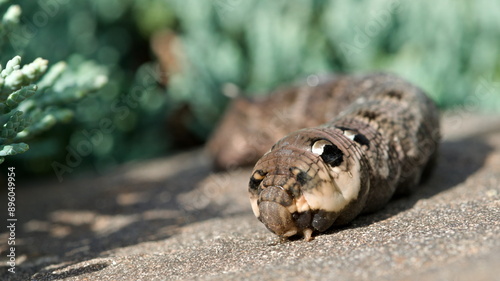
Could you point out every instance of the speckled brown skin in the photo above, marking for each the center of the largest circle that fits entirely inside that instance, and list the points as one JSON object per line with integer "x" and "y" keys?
{"x": 384, "y": 136}
{"x": 251, "y": 126}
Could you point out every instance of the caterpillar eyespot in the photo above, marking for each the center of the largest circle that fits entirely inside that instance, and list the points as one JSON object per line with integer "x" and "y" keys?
{"x": 330, "y": 153}
{"x": 366, "y": 155}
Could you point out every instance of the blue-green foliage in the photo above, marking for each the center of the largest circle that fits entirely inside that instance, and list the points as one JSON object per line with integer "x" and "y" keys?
{"x": 34, "y": 97}
{"x": 98, "y": 41}
{"x": 24, "y": 114}
{"x": 449, "y": 48}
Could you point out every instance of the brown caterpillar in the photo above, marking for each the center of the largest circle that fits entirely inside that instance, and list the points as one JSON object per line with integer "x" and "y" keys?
{"x": 384, "y": 137}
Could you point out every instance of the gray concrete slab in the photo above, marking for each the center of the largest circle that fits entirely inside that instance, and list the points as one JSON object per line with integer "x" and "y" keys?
{"x": 173, "y": 218}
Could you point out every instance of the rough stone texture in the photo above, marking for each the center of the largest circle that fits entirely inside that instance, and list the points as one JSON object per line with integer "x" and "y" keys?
{"x": 173, "y": 218}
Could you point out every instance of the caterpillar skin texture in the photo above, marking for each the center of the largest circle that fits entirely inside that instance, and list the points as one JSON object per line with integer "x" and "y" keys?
{"x": 378, "y": 146}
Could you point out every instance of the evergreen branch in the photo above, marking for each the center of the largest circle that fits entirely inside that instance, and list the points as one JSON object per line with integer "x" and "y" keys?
{"x": 12, "y": 149}
{"x": 17, "y": 97}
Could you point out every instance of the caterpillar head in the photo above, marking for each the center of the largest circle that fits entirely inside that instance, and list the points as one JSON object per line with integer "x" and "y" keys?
{"x": 305, "y": 183}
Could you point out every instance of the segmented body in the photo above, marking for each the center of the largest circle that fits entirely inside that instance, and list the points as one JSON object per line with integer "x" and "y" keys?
{"x": 380, "y": 143}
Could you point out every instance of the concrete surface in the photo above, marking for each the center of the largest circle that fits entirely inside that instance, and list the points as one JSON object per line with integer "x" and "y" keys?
{"x": 173, "y": 218}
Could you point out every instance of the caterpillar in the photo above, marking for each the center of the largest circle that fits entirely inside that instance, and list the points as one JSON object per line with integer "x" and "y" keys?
{"x": 383, "y": 139}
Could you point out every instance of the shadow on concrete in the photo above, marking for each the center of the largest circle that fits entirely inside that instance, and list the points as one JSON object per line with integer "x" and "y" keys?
{"x": 63, "y": 224}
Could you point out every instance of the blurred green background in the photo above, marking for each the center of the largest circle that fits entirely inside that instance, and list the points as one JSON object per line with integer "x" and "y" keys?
{"x": 169, "y": 62}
